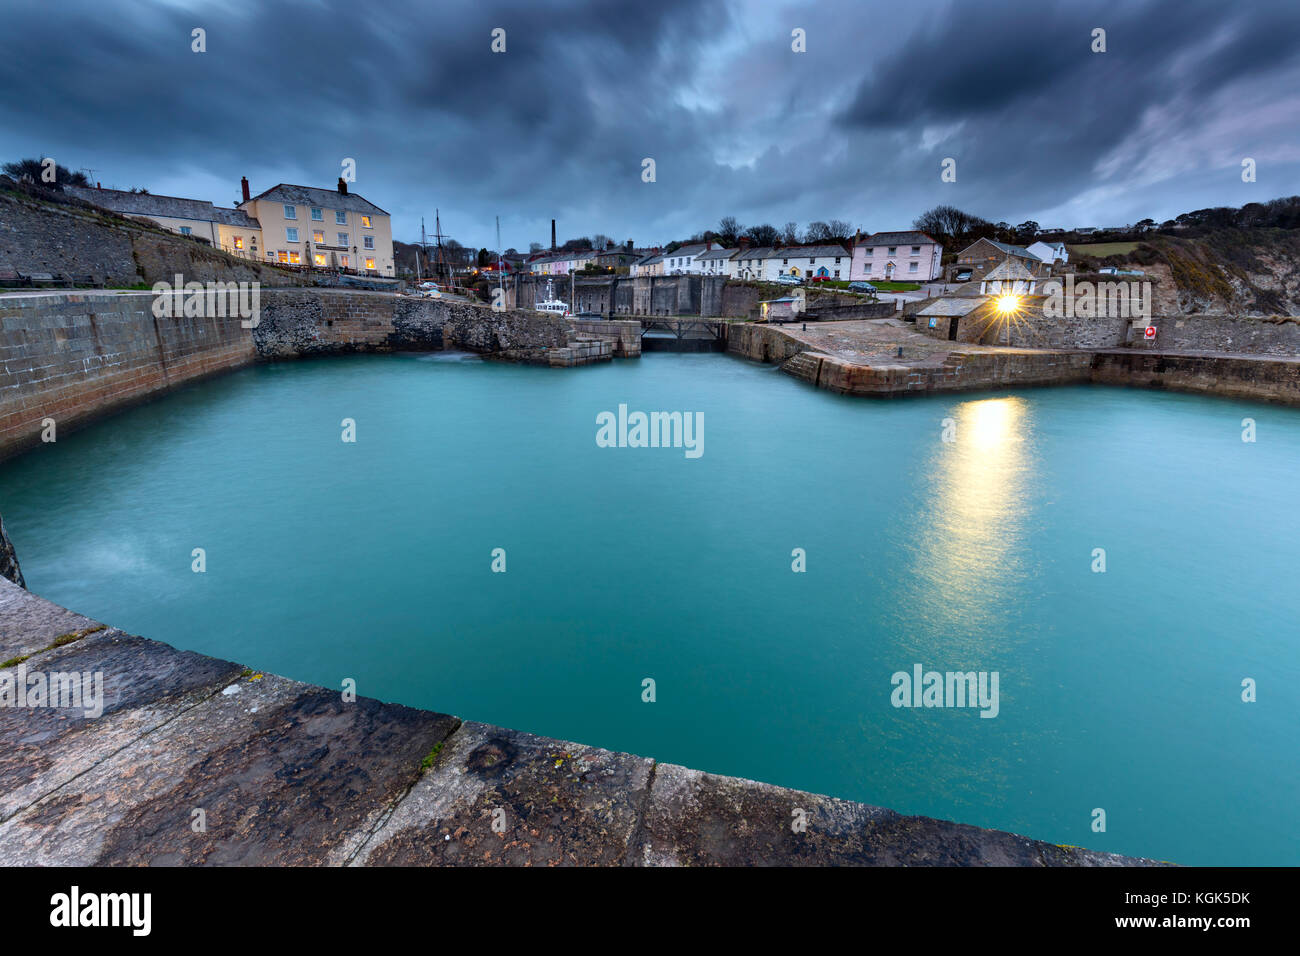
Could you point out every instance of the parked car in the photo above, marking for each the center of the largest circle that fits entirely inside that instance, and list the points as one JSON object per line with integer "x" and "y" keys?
{"x": 962, "y": 275}
{"x": 862, "y": 287}
{"x": 789, "y": 280}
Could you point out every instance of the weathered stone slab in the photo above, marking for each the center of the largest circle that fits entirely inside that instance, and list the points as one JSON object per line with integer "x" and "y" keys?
{"x": 144, "y": 684}
{"x": 700, "y": 819}
{"x": 563, "y": 805}
{"x": 285, "y": 773}
{"x": 29, "y": 623}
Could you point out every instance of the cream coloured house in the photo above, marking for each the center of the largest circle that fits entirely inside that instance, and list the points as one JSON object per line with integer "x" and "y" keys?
{"x": 327, "y": 229}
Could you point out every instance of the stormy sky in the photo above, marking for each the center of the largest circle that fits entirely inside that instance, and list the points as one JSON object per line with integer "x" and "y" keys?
{"x": 855, "y": 128}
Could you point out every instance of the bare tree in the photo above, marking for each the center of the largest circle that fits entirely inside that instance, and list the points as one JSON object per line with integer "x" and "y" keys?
{"x": 952, "y": 226}
{"x": 764, "y": 235}
{"x": 790, "y": 234}
{"x": 817, "y": 232}
{"x": 842, "y": 229}
{"x": 729, "y": 230}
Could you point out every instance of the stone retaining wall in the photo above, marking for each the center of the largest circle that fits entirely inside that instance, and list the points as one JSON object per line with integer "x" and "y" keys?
{"x": 74, "y": 356}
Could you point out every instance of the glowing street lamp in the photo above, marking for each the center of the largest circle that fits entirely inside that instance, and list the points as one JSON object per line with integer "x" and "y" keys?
{"x": 1007, "y": 306}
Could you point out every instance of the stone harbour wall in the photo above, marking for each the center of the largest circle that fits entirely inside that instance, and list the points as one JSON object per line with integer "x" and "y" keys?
{"x": 73, "y": 356}
{"x": 367, "y": 783}
{"x": 1232, "y": 376}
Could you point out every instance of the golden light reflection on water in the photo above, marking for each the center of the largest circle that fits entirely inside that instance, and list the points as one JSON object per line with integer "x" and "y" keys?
{"x": 973, "y": 520}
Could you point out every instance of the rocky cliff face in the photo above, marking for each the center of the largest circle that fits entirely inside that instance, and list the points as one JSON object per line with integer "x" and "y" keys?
{"x": 8, "y": 560}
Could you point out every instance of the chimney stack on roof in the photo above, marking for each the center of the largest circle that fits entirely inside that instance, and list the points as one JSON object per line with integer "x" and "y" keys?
{"x": 243, "y": 184}
{"x": 343, "y": 186}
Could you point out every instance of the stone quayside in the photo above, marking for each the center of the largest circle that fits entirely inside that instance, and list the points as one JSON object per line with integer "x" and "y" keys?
{"x": 290, "y": 774}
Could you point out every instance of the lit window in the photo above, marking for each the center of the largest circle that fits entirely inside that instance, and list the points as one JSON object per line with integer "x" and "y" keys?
{"x": 317, "y": 214}
{"x": 344, "y": 261}
{"x": 369, "y": 241}
{"x": 239, "y": 242}
{"x": 290, "y": 212}
{"x": 365, "y": 221}
{"x": 284, "y": 256}
{"x": 295, "y": 257}
{"x": 320, "y": 258}
{"x": 318, "y": 235}
{"x": 291, "y": 234}
{"x": 340, "y": 217}
{"x": 370, "y": 263}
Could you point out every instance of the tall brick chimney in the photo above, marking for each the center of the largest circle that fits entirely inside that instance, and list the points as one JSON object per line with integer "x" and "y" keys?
{"x": 343, "y": 186}
{"x": 552, "y": 235}
{"x": 243, "y": 184}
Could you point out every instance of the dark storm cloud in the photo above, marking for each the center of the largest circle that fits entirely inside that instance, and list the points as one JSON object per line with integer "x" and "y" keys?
{"x": 1036, "y": 102}
{"x": 737, "y": 123}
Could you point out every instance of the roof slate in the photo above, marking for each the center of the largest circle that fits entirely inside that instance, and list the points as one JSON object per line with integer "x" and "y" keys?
{"x": 167, "y": 207}
{"x": 313, "y": 196}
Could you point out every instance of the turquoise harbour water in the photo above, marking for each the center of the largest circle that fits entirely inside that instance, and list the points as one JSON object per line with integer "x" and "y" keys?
{"x": 1118, "y": 690}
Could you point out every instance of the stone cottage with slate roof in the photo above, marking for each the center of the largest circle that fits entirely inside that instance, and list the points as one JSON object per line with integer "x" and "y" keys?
{"x": 328, "y": 228}
{"x": 896, "y": 256}
{"x": 231, "y": 230}
{"x": 984, "y": 254}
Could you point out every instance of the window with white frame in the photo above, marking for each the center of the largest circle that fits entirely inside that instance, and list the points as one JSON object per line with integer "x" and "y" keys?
{"x": 343, "y": 238}
{"x": 291, "y": 233}
{"x": 318, "y": 235}
{"x": 340, "y": 217}
{"x": 290, "y": 212}
{"x": 317, "y": 214}
{"x": 365, "y": 222}
{"x": 369, "y": 242}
